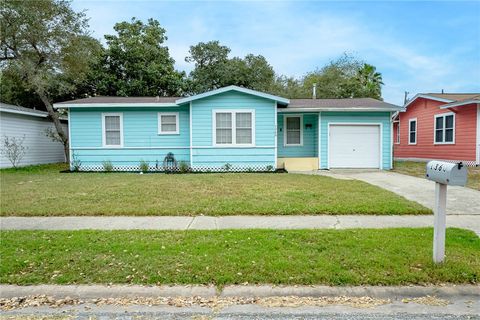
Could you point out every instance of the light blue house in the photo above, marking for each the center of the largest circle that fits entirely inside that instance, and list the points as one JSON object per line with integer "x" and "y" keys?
{"x": 231, "y": 128}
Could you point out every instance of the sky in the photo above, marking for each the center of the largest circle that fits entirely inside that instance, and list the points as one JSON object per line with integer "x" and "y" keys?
{"x": 418, "y": 47}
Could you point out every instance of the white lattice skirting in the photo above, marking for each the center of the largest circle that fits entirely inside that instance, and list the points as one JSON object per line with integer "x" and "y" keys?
{"x": 224, "y": 168}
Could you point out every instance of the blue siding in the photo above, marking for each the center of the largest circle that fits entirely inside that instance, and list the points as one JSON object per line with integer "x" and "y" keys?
{"x": 356, "y": 117}
{"x": 204, "y": 154}
{"x": 140, "y": 133}
{"x": 310, "y": 137}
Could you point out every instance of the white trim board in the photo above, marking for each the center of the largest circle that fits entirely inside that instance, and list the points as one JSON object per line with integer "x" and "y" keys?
{"x": 379, "y": 124}
{"x": 113, "y": 105}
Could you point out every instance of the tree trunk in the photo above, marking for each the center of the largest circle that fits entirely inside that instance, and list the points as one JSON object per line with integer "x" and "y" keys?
{"x": 56, "y": 122}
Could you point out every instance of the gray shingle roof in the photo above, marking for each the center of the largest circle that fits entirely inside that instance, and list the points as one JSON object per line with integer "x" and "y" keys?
{"x": 122, "y": 100}
{"x": 294, "y": 103}
{"x": 340, "y": 103}
{"x": 6, "y": 107}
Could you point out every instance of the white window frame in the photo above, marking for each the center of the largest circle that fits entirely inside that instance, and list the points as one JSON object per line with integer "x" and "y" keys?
{"x": 104, "y": 138}
{"x": 443, "y": 115}
{"x": 177, "y": 122}
{"x": 410, "y": 131}
{"x": 234, "y": 143}
{"x": 285, "y": 117}
{"x": 397, "y": 134}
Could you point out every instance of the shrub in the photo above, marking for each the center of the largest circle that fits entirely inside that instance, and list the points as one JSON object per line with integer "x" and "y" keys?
{"x": 144, "y": 166}
{"x": 269, "y": 168}
{"x": 107, "y": 166}
{"x": 14, "y": 150}
{"x": 227, "y": 167}
{"x": 183, "y": 167}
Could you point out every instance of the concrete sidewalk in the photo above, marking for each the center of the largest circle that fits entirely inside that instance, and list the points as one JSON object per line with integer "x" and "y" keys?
{"x": 471, "y": 222}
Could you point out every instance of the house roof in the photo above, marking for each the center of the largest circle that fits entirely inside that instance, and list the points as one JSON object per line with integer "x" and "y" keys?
{"x": 286, "y": 105}
{"x": 234, "y": 88}
{"x": 444, "y": 97}
{"x": 455, "y": 96}
{"x": 341, "y": 104}
{"x": 10, "y": 108}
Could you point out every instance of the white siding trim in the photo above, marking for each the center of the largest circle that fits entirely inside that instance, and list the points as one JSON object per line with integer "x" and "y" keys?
{"x": 356, "y": 124}
{"x": 391, "y": 140}
{"x": 104, "y": 142}
{"x": 285, "y": 144}
{"x": 319, "y": 140}
{"x": 177, "y": 122}
{"x": 276, "y": 135}
{"x": 190, "y": 116}
{"x": 70, "y": 155}
{"x": 234, "y": 128}
{"x": 443, "y": 115}
{"x": 416, "y": 131}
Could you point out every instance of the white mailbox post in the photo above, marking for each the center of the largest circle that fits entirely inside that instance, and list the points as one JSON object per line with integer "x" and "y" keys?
{"x": 443, "y": 173}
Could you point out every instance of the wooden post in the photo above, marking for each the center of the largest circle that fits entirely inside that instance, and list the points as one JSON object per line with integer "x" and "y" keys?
{"x": 439, "y": 222}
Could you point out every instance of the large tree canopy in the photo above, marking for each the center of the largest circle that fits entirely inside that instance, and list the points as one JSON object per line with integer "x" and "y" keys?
{"x": 46, "y": 45}
{"x": 214, "y": 69}
{"x": 137, "y": 63}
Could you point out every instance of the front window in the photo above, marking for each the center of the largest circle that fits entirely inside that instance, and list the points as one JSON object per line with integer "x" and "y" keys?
{"x": 168, "y": 123}
{"x": 445, "y": 128}
{"x": 112, "y": 130}
{"x": 412, "y": 132}
{"x": 235, "y": 128}
{"x": 293, "y": 131}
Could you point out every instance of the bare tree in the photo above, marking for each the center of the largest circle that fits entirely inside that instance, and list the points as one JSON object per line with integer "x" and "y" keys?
{"x": 14, "y": 150}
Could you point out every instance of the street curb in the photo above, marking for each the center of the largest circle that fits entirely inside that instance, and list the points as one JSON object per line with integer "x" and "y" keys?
{"x": 390, "y": 292}
{"x": 116, "y": 291}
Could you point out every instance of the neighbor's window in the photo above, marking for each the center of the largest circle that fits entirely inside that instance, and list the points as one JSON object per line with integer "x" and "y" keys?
{"x": 445, "y": 128}
{"x": 112, "y": 130}
{"x": 168, "y": 123}
{"x": 397, "y": 141}
{"x": 293, "y": 131}
{"x": 234, "y": 128}
{"x": 412, "y": 132}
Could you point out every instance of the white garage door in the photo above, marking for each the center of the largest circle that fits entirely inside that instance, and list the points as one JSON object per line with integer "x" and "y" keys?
{"x": 354, "y": 146}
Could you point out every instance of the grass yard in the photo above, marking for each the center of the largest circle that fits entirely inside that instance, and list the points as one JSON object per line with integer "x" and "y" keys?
{"x": 44, "y": 191}
{"x": 417, "y": 169}
{"x": 331, "y": 257}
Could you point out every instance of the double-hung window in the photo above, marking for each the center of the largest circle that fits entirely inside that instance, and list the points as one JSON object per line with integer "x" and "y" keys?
{"x": 234, "y": 128}
{"x": 412, "y": 131}
{"x": 397, "y": 133}
{"x": 112, "y": 124}
{"x": 168, "y": 123}
{"x": 293, "y": 131}
{"x": 445, "y": 128}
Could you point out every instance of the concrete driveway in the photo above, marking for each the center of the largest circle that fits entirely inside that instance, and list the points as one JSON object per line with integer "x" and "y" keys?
{"x": 460, "y": 200}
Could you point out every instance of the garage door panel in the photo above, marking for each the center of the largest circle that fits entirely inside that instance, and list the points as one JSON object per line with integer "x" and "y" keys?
{"x": 354, "y": 146}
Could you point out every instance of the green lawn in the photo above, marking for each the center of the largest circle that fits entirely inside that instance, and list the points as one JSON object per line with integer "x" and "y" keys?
{"x": 417, "y": 169}
{"x": 44, "y": 191}
{"x": 331, "y": 257}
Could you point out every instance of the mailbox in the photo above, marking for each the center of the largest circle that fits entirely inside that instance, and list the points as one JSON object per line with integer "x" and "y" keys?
{"x": 453, "y": 174}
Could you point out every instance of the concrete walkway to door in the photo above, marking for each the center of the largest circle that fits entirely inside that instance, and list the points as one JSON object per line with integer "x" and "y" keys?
{"x": 460, "y": 200}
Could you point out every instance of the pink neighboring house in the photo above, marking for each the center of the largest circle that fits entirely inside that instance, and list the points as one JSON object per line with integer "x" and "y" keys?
{"x": 442, "y": 126}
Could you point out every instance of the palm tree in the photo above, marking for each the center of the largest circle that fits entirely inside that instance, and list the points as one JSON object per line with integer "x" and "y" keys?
{"x": 370, "y": 81}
